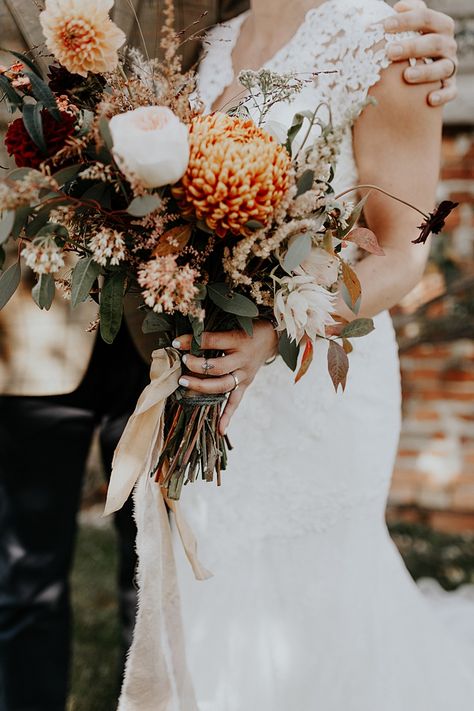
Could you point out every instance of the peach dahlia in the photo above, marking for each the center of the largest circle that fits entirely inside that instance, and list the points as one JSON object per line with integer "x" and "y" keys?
{"x": 237, "y": 172}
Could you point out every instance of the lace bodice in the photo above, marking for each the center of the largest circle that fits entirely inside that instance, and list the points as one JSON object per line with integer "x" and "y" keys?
{"x": 342, "y": 40}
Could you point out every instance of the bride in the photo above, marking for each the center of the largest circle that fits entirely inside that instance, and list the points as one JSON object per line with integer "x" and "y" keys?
{"x": 310, "y": 607}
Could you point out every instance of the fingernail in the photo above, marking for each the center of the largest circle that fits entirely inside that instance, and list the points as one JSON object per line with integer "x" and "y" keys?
{"x": 184, "y": 382}
{"x": 413, "y": 74}
{"x": 391, "y": 23}
{"x": 436, "y": 99}
{"x": 176, "y": 343}
{"x": 395, "y": 51}
{"x": 185, "y": 358}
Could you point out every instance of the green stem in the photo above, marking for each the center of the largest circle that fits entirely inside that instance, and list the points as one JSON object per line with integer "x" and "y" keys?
{"x": 384, "y": 192}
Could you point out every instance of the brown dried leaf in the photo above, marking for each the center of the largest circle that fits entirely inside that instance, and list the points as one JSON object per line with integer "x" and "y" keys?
{"x": 365, "y": 239}
{"x": 173, "y": 241}
{"x": 351, "y": 280}
{"x": 306, "y": 360}
{"x": 347, "y": 345}
{"x": 338, "y": 364}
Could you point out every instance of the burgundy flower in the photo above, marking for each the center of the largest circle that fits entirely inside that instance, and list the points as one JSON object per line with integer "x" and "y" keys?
{"x": 61, "y": 81}
{"x": 435, "y": 221}
{"x": 25, "y": 151}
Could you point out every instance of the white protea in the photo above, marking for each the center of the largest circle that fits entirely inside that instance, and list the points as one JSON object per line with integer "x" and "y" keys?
{"x": 107, "y": 247}
{"x": 43, "y": 256}
{"x": 303, "y": 307}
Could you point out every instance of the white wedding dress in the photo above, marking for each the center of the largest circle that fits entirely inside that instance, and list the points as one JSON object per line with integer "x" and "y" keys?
{"x": 311, "y": 607}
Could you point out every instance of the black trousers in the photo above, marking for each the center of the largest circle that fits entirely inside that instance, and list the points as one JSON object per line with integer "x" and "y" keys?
{"x": 44, "y": 443}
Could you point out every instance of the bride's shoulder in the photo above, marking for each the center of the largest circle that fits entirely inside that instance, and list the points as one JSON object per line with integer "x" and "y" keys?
{"x": 349, "y": 16}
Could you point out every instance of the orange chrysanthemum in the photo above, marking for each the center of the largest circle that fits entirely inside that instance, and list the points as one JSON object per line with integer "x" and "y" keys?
{"x": 237, "y": 172}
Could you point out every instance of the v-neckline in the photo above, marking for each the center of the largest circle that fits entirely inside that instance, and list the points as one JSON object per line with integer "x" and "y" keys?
{"x": 236, "y": 24}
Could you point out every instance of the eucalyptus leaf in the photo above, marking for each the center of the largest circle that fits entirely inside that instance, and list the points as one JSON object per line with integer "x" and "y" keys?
{"x": 254, "y": 225}
{"x": 230, "y": 301}
{"x": 246, "y": 324}
{"x": 296, "y": 126}
{"x": 197, "y": 325}
{"x": 21, "y": 215}
{"x": 34, "y": 125}
{"x": 153, "y": 323}
{"x": 354, "y": 307}
{"x": 357, "y": 328}
{"x": 7, "y": 220}
{"x": 202, "y": 292}
{"x": 39, "y": 221}
{"x": 43, "y": 94}
{"x": 65, "y": 175}
{"x": 305, "y": 183}
{"x": 111, "y": 306}
{"x": 43, "y": 291}
{"x": 9, "y": 282}
{"x": 298, "y": 250}
{"x": 20, "y": 173}
{"x": 289, "y": 350}
{"x": 104, "y": 130}
{"x": 143, "y": 205}
{"x": 84, "y": 275}
{"x": 14, "y": 99}
{"x": 86, "y": 120}
{"x": 53, "y": 229}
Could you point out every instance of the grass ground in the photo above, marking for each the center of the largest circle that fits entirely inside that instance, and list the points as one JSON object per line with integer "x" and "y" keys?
{"x": 449, "y": 559}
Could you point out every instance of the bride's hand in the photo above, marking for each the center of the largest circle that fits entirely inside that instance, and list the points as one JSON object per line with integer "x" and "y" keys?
{"x": 436, "y": 41}
{"x": 243, "y": 356}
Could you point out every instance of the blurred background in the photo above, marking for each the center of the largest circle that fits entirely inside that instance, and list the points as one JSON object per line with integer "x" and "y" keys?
{"x": 431, "y": 507}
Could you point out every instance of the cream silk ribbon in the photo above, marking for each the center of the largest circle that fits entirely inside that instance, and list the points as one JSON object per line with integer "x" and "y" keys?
{"x": 156, "y": 674}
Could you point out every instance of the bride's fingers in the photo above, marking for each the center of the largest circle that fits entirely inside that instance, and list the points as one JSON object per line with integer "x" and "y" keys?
{"x": 212, "y": 386}
{"x": 430, "y": 45}
{"x": 447, "y": 93}
{"x": 233, "y": 402}
{"x": 420, "y": 20}
{"x": 216, "y": 341}
{"x": 215, "y": 366}
{"x": 426, "y": 73}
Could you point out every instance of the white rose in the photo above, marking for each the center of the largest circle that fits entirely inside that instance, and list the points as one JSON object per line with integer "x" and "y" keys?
{"x": 321, "y": 266}
{"x": 152, "y": 144}
{"x": 303, "y": 307}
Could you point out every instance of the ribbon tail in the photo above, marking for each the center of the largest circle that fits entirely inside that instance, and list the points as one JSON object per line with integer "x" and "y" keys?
{"x": 188, "y": 539}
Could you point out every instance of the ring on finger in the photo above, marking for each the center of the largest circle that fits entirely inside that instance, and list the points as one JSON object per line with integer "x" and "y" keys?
{"x": 236, "y": 382}
{"x": 206, "y": 366}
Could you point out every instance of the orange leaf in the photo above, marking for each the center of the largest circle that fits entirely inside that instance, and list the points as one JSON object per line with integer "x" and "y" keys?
{"x": 173, "y": 241}
{"x": 306, "y": 360}
{"x": 351, "y": 280}
{"x": 338, "y": 364}
{"x": 365, "y": 239}
{"x": 347, "y": 345}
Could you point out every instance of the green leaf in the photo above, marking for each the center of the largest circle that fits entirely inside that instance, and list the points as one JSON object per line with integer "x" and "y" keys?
{"x": 43, "y": 291}
{"x": 357, "y": 328}
{"x": 246, "y": 324}
{"x": 44, "y": 95}
{"x": 230, "y": 301}
{"x": 9, "y": 282}
{"x": 355, "y": 308}
{"x": 22, "y": 214}
{"x": 38, "y": 222}
{"x": 105, "y": 133}
{"x": 14, "y": 99}
{"x": 305, "y": 183}
{"x": 34, "y": 125}
{"x": 154, "y": 322}
{"x": 65, "y": 175}
{"x": 53, "y": 229}
{"x": 298, "y": 250}
{"x": 143, "y": 205}
{"x": 2, "y": 257}
{"x": 289, "y": 350}
{"x": 25, "y": 59}
{"x": 296, "y": 127}
{"x": 338, "y": 364}
{"x": 7, "y": 220}
{"x": 254, "y": 225}
{"x": 86, "y": 119}
{"x": 202, "y": 292}
{"x": 198, "y": 328}
{"x": 111, "y": 306}
{"x": 84, "y": 275}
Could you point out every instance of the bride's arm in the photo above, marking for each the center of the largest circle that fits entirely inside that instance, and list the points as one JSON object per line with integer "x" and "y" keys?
{"x": 397, "y": 147}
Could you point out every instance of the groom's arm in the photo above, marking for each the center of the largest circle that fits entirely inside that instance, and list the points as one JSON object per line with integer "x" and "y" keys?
{"x": 436, "y": 41}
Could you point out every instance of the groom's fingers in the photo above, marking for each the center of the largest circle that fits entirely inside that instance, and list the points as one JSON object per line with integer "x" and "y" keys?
{"x": 426, "y": 73}
{"x": 422, "y": 46}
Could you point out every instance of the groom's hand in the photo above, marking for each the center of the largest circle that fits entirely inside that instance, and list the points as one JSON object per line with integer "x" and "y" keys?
{"x": 436, "y": 42}
{"x": 243, "y": 356}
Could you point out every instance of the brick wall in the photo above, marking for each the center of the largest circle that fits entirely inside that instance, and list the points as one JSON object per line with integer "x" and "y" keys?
{"x": 434, "y": 476}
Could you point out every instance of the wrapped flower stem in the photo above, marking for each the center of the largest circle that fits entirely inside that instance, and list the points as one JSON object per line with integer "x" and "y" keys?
{"x": 193, "y": 444}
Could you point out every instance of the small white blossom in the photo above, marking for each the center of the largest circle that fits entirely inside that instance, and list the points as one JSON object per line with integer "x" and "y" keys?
{"x": 43, "y": 256}
{"x": 105, "y": 245}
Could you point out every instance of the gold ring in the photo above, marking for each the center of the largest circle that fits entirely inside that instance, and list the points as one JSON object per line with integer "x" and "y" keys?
{"x": 236, "y": 381}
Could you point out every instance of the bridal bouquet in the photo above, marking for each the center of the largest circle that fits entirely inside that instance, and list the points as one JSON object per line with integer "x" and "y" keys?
{"x": 123, "y": 185}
